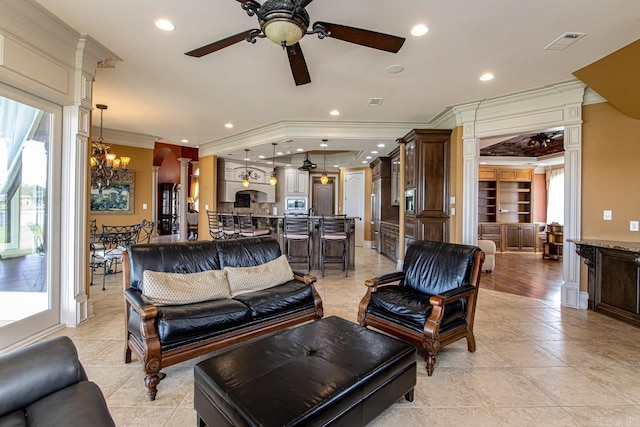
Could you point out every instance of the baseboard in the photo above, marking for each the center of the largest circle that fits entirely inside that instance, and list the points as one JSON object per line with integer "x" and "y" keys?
{"x": 33, "y": 338}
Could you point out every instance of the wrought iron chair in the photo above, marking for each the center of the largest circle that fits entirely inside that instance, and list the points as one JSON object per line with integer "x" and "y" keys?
{"x": 116, "y": 238}
{"x": 145, "y": 231}
{"x": 333, "y": 229}
{"x": 296, "y": 228}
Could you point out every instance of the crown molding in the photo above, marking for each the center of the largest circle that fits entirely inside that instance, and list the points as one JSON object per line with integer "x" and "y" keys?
{"x": 120, "y": 137}
{"x": 592, "y": 97}
{"x": 282, "y": 131}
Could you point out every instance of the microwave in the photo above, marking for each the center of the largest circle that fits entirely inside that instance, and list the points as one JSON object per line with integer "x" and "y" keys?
{"x": 295, "y": 204}
{"x": 410, "y": 201}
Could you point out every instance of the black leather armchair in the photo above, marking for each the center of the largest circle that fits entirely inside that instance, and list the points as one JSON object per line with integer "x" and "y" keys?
{"x": 433, "y": 301}
{"x": 45, "y": 385}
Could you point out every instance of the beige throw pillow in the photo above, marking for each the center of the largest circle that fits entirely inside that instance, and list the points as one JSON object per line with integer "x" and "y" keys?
{"x": 178, "y": 288}
{"x": 248, "y": 279}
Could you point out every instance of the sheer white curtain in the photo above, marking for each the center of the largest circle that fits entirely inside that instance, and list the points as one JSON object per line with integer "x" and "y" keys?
{"x": 555, "y": 196}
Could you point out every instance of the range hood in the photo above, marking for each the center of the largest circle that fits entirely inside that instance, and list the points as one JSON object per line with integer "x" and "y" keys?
{"x": 229, "y": 182}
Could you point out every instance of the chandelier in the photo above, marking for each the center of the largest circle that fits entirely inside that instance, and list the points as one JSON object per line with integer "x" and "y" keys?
{"x": 248, "y": 173}
{"x": 106, "y": 168}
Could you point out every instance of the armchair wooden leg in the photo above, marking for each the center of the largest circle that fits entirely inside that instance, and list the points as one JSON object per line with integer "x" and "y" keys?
{"x": 151, "y": 382}
{"x": 431, "y": 360}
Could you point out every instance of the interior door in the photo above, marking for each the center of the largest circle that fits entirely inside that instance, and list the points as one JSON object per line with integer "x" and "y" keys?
{"x": 354, "y": 202}
{"x": 323, "y": 196}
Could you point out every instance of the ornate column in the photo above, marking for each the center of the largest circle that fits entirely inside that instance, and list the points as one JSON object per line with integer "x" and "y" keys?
{"x": 154, "y": 196}
{"x": 184, "y": 192}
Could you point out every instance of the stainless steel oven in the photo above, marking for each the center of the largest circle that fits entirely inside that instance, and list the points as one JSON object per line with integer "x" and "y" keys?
{"x": 295, "y": 205}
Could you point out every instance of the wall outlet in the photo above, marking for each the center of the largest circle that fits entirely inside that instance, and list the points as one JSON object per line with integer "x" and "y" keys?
{"x": 144, "y": 206}
{"x": 633, "y": 225}
{"x": 608, "y": 215}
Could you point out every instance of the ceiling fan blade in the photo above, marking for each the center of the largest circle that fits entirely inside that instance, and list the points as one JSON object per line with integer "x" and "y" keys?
{"x": 220, "y": 44}
{"x": 362, "y": 37}
{"x": 298, "y": 65}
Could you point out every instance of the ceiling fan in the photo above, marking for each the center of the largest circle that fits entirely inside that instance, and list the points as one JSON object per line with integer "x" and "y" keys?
{"x": 285, "y": 22}
{"x": 307, "y": 164}
{"x": 543, "y": 138}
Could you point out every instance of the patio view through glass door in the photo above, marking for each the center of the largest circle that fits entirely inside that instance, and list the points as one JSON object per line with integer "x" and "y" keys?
{"x": 28, "y": 301}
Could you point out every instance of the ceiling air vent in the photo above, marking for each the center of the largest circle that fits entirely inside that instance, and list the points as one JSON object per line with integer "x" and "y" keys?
{"x": 375, "y": 102}
{"x": 564, "y": 41}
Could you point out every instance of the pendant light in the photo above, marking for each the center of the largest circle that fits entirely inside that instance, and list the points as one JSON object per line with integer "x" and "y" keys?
{"x": 324, "y": 179}
{"x": 273, "y": 180}
{"x": 245, "y": 176}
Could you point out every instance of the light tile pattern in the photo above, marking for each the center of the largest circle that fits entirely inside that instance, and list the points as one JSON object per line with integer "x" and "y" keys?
{"x": 535, "y": 364}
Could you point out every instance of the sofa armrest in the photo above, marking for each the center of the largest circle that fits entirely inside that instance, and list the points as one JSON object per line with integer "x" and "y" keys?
{"x": 140, "y": 304}
{"x": 33, "y": 372}
{"x": 385, "y": 278}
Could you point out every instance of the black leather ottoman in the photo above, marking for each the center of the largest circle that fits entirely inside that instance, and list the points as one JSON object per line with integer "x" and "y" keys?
{"x": 329, "y": 372}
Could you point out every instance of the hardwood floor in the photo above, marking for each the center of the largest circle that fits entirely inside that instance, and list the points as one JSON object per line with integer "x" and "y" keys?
{"x": 526, "y": 274}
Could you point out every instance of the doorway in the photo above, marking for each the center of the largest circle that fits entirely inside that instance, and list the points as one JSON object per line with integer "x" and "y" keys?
{"x": 353, "y": 202}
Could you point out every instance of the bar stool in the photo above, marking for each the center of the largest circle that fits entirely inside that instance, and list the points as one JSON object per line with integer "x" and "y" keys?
{"x": 334, "y": 229}
{"x": 296, "y": 228}
{"x": 228, "y": 225}
{"x": 215, "y": 226}
{"x": 247, "y": 228}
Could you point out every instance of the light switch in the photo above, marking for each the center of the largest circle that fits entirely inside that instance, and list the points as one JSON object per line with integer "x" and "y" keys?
{"x": 608, "y": 216}
{"x": 453, "y": 211}
{"x": 206, "y": 207}
{"x": 633, "y": 225}
{"x": 452, "y": 200}
{"x": 144, "y": 206}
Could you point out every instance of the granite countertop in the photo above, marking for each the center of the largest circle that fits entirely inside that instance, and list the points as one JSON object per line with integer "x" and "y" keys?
{"x": 609, "y": 244}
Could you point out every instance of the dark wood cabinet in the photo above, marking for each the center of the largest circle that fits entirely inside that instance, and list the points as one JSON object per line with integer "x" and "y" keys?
{"x": 519, "y": 237}
{"x": 395, "y": 177}
{"x": 491, "y": 232}
{"x": 389, "y": 239}
{"x": 614, "y": 278}
{"x": 553, "y": 244}
{"x": 427, "y": 173}
{"x": 168, "y": 208}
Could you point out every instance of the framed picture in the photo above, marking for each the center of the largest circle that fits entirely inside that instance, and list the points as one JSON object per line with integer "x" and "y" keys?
{"x": 117, "y": 199}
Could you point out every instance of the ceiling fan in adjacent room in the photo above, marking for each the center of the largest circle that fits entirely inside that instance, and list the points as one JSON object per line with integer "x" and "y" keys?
{"x": 285, "y": 22}
{"x": 544, "y": 138}
{"x": 307, "y": 164}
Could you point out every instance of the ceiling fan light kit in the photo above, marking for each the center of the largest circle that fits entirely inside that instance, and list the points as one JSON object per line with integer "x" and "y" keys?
{"x": 285, "y": 22}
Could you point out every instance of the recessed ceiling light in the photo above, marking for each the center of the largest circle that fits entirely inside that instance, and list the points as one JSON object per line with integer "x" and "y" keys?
{"x": 364, "y": 162}
{"x": 165, "y": 25}
{"x": 419, "y": 30}
{"x": 380, "y": 145}
{"x": 228, "y": 125}
{"x": 395, "y": 69}
{"x": 368, "y": 157}
{"x": 247, "y": 158}
{"x": 299, "y": 150}
{"x": 486, "y": 77}
{"x": 184, "y": 140}
{"x": 261, "y": 156}
{"x": 374, "y": 152}
{"x": 279, "y": 153}
{"x": 288, "y": 165}
{"x": 335, "y": 113}
{"x": 324, "y": 144}
{"x": 336, "y": 166}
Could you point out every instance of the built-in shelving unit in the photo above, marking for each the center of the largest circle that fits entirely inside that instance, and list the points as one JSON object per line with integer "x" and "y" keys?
{"x": 554, "y": 243}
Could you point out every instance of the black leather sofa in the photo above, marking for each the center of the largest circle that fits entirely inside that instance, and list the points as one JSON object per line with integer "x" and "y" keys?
{"x": 165, "y": 335}
{"x": 45, "y": 385}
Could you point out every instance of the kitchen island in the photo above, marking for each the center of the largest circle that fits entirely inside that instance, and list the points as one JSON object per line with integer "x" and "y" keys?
{"x": 298, "y": 249}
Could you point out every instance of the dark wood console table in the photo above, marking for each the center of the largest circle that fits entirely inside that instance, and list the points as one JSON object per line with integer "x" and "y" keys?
{"x": 614, "y": 277}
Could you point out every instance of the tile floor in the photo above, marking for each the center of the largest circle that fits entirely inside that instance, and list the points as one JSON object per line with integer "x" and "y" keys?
{"x": 535, "y": 364}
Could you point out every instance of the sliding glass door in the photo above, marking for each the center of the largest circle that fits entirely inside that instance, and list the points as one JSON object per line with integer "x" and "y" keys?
{"x": 30, "y": 134}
